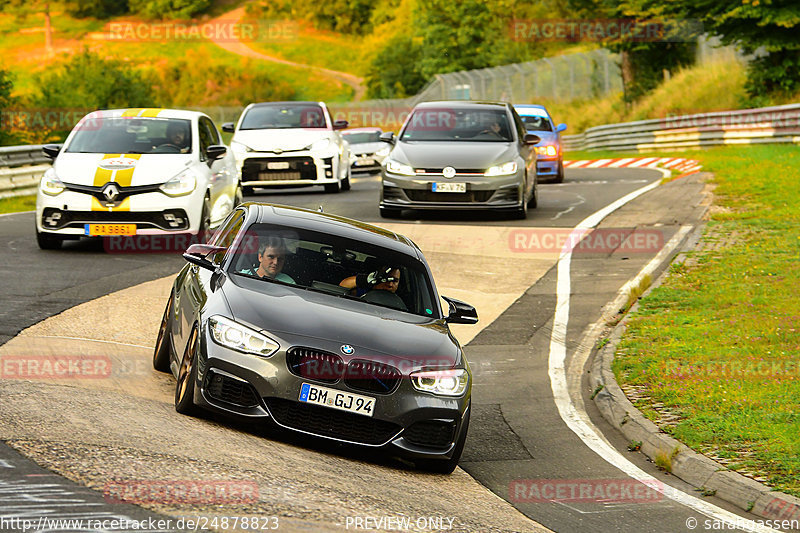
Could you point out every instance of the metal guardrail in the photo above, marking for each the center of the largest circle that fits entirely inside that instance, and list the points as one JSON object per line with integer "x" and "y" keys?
{"x": 21, "y": 169}
{"x": 778, "y": 124}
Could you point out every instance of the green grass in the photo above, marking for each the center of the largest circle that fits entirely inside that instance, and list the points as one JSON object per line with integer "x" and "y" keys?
{"x": 17, "y": 204}
{"x": 717, "y": 343}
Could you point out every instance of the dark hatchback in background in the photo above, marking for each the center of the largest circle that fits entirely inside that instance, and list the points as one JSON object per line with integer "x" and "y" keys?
{"x": 460, "y": 155}
{"x": 365, "y": 365}
{"x": 537, "y": 120}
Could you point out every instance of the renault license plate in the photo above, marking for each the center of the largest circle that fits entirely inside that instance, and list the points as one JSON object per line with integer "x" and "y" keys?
{"x": 97, "y": 230}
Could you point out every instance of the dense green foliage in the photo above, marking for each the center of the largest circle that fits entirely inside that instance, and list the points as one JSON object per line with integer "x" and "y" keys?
{"x": 6, "y": 86}
{"x": 346, "y": 16}
{"x": 157, "y": 9}
{"x": 168, "y": 9}
{"x": 394, "y": 71}
{"x": 97, "y": 8}
{"x": 768, "y": 27}
{"x": 87, "y": 80}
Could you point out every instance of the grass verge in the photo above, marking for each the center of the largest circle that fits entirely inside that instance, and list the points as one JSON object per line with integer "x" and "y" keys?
{"x": 717, "y": 344}
{"x": 17, "y": 204}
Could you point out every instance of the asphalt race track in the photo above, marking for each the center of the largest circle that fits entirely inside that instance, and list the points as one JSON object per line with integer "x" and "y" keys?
{"x": 519, "y": 446}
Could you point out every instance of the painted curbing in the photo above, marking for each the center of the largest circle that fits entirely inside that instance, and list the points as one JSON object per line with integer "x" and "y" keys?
{"x": 705, "y": 474}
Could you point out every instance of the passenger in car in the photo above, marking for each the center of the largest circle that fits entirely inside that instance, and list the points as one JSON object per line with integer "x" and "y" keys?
{"x": 378, "y": 287}
{"x": 271, "y": 258}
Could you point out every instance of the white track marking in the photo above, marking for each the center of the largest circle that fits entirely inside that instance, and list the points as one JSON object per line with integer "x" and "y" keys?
{"x": 579, "y": 424}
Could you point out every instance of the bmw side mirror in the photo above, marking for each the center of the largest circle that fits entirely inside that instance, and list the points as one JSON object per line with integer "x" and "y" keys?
{"x": 215, "y": 151}
{"x": 560, "y": 128}
{"x": 387, "y": 137}
{"x": 229, "y": 127}
{"x": 340, "y": 124}
{"x": 460, "y": 312}
{"x": 52, "y": 150}
{"x": 530, "y": 138}
{"x": 197, "y": 254}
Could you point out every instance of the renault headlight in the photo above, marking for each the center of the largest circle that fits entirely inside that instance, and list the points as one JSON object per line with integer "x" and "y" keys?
{"x": 50, "y": 183}
{"x": 502, "y": 170}
{"x": 441, "y": 382}
{"x": 399, "y": 168}
{"x": 547, "y": 151}
{"x": 231, "y": 334}
{"x": 181, "y": 185}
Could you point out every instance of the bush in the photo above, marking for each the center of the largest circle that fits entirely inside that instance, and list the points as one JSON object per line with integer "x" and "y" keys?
{"x": 394, "y": 73}
{"x": 168, "y": 9}
{"x": 97, "y": 8}
{"x": 6, "y": 101}
{"x": 777, "y": 74}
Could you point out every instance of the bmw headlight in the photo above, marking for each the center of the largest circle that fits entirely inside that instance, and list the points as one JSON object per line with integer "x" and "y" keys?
{"x": 399, "y": 168}
{"x": 441, "y": 382}
{"x": 181, "y": 185}
{"x": 502, "y": 170}
{"x": 383, "y": 152}
{"x": 50, "y": 183}
{"x": 320, "y": 145}
{"x": 547, "y": 151}
{"x": 231, "y": 334}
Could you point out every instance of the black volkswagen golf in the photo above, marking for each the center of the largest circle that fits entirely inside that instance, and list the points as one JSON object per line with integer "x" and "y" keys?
{"x": 323, "y": 325}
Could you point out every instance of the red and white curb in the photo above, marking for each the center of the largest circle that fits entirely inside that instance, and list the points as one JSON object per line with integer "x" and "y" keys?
{"x": 680, "y": 164}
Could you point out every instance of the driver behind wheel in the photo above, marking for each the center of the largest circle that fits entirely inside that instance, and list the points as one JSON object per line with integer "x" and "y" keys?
{"x": 178, "y": 136}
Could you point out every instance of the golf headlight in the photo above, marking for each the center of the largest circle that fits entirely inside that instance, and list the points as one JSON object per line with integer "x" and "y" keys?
{"x": 231, "y": 334}
{"x": 383, "y": 152}
{"x": 441, "y": 382}
{"x": 502, "y": 170}
{"x": 399, "y": 168}
{"x": 50, "y": 183}
{"x": 320, "y": 145}
{"x": 548, "y": 151}
{"x": 182, "y": 184}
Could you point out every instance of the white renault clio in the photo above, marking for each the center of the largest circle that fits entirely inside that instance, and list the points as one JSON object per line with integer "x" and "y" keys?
{"x": 136, "y": 172}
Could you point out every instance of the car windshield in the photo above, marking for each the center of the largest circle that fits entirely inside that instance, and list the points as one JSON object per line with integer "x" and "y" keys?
{"x": 457, "y": 124}
{"x": 536, "y": 123}
{"x": 283, "y": 116}
{"x": 324, "y": 263}
{"x": 363, "y": 137}
{"x": 132, "y": 135}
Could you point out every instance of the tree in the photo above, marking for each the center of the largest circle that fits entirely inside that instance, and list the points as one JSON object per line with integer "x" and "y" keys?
{"x": 97, "y": 8}
{"x": 168, "y": 9}
{"x": 6, "y": 101}
{"x": 766, "y": 26}
{"x": 394, "y": 73}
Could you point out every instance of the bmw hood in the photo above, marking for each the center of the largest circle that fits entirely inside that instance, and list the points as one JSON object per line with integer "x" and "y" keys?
{"x": 300, "y": 317}
{"x": 470, "y": 155}
{"x": 125, "y": 169}
{"x": 286, "y": 140}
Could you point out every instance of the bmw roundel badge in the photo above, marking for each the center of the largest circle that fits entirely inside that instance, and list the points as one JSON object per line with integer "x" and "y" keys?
{"x": 347, "y": 349}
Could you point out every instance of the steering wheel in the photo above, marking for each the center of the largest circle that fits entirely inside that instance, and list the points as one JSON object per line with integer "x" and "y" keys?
{"x": 168, "y": 145}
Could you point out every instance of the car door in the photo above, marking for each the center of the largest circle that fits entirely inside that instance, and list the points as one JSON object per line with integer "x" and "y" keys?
{"x": 220, "y": 176}
{"x": 527, "y": 152}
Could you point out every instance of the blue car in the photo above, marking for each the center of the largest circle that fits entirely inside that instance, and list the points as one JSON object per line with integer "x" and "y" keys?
{"x": 550, "y": 162}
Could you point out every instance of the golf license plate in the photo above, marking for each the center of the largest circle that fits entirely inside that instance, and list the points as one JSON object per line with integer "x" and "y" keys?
{"x": 97, "y": 230}
{"x": 449, "y": 187}
{"x": 336, "y": 399}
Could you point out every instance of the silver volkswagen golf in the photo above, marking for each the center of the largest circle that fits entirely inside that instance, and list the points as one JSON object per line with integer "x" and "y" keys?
{"x": 460, "y": 155}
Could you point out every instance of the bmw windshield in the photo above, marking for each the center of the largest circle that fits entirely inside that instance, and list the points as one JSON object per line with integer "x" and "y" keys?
{"x": 457, "y": 124}
{"x": 334, "y": 265}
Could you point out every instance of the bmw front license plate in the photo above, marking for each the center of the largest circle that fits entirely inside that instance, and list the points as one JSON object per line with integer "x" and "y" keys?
{"x": 344, "y": 401}
{"x": 96, "y": 230}
{"x": 449, "y": 187}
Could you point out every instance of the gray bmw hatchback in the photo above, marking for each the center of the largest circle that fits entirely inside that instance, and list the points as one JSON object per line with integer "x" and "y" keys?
{"x": 322, "y": 325}
{"x": 460, "y": 155}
